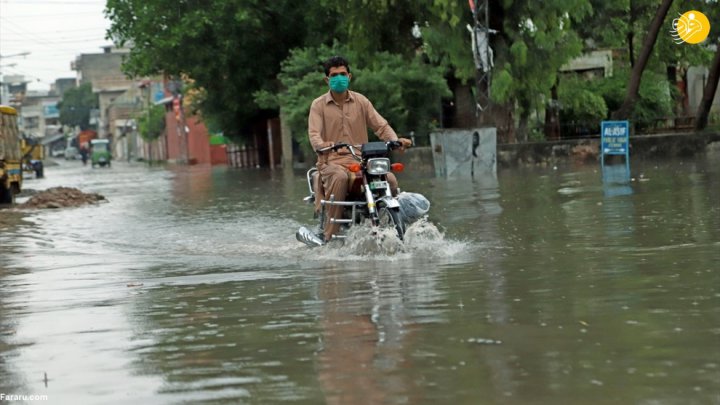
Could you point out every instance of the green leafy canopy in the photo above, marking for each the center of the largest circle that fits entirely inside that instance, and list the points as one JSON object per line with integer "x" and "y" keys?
{"x": 406, "y": 93}
{"x": 76, "y": 105}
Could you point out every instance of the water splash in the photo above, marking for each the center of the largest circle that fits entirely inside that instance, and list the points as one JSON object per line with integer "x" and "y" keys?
{"x": 364, "y": 241}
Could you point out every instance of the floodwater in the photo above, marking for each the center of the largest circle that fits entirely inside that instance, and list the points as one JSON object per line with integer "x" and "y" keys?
{"x": 546, "y": 286}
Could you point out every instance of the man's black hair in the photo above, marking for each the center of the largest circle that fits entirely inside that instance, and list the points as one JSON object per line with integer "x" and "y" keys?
{"x": 335, "y": 61}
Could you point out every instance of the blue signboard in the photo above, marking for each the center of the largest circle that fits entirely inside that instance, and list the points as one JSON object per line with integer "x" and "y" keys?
{"x": 615, "y": 137}
{"x": 51, "y": 111}
{"x": 615, "y": 140}
{"x": 158, "y": 92}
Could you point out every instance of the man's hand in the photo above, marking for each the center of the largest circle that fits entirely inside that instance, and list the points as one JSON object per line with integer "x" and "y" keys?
{"x": 327, "y": 144}
{"x": 406, "y": 143}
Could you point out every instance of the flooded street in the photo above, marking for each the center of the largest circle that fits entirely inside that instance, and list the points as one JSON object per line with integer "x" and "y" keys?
{"x": 546, "y": 286}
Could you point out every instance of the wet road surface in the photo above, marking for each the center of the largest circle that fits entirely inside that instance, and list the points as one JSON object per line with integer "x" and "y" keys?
{"x": 541, "y": 286}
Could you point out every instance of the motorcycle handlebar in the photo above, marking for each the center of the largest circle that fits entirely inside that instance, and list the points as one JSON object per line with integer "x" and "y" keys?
{"x": 334, "y": 147}
{"x": 393, "y": 144}
{"x": 390, "y": 144}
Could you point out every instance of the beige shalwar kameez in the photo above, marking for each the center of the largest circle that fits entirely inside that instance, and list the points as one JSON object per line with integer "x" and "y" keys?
{"x": 343, "y": 123}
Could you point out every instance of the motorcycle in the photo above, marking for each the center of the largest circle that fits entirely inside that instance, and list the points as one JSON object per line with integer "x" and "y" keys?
{"x": 369, "y": 197}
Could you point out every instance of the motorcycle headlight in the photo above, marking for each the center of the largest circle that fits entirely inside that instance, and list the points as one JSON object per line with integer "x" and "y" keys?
{"x": 378, "y": 166}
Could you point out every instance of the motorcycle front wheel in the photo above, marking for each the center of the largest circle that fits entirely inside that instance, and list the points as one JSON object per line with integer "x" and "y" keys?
{"x": 391, "y": 217}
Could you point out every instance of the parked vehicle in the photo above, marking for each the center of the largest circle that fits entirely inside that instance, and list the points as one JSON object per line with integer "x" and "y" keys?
{"x": 10, "y": 156}
{"x": 71, "y": 153}
{"x": 57, "y": 152}
{"x": 369, "y": 198}
{"x": 100, "y": 152}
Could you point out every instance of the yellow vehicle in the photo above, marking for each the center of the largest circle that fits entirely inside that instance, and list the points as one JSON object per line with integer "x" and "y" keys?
{"x": 32, "y": 156}
{"x": 10, "y": 156}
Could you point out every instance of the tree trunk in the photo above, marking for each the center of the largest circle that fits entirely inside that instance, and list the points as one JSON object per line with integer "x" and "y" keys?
{"x": 286, "y": 140}
{"x": 631, "y": 35}
{"x": 500, "y": 116}
{"x": 708, "y": 93}
{"x": 634, "y": 85}
{"x": 464, "y": 116}
{"x": 522, "y": 129}
{"x": 552, "y": 116}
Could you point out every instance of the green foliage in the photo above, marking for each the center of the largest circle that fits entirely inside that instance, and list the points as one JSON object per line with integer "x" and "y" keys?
{"x": 579, "y": 102}
{"x": 447, "y": 41}
{"x": 301, "y": 78}
{"x": 612, "y": 20}
{"x": 230, "y": 49}
{"x": 541, "y": 40}
{"x": 590, "y": 101}
{"x": 655, "y": 100}
{"x": 249, "y": 56}
{"x": 533, "y": 41}
{"x": 501, "y": 87}
{"x": 406, "y": 93}
{"x": 151, "y": 122}
{"x": 371, "y": 26}
{"x": 76, "y": 105}
{"x": 582, "y": 107}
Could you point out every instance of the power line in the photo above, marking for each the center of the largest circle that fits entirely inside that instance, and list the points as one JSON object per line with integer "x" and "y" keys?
{"x": 26, "y": 16}
{"x": 59, "y": 3}
{"x": 64, "y": 41}
{"x": 30, "y": 36}
{"x": 65, "y": 31}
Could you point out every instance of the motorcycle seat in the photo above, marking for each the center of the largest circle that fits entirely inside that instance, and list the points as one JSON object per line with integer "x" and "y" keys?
{"x": 354, "y": 188}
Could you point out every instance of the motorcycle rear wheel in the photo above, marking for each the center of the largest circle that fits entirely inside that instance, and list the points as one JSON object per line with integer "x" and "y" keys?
{"x": 391, "y": 217}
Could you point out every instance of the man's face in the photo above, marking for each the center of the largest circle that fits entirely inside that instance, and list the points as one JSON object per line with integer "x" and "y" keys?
{"x": 338, "y": 70}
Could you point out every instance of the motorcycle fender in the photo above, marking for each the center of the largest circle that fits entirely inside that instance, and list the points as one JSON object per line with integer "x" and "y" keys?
{"x": 390, "y": 202}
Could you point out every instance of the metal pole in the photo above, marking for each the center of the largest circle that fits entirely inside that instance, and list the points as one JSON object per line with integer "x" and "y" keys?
{"x": 270, "y": 144}
{"x": 482, "y": 23}
{"x": 149, "y": 139}
{"x": 185, "y": 132}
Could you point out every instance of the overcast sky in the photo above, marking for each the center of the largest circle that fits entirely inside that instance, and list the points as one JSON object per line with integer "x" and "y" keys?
{"x": 54, "y": 32}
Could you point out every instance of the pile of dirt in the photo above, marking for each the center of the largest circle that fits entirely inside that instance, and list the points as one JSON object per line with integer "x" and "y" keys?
{"x": 60, "y": 197}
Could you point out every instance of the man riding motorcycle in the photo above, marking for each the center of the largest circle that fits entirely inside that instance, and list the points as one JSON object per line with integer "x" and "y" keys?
{"x": 343, "y": 116}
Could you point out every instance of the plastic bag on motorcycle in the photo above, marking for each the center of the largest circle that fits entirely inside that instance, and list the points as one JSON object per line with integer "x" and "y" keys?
{"x": 413, "y": 206}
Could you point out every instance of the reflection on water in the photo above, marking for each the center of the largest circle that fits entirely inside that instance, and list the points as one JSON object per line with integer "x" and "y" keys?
{"x": 616, "y": 180}
{"x": 538, "y": 286}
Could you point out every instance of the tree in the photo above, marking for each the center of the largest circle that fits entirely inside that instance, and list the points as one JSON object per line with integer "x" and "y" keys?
{"x": 229, "y": 49}
{"x": 708, "y": 93}
{"x": 634, "y": 85}
{"x": 151, "y": 123}
{"x": 623, "y": 24}
{"x": 372, "y": 26}
{"x": 406, "y": 92}
{"x": 532, "y": 43}
{"x": 76, "y": 105}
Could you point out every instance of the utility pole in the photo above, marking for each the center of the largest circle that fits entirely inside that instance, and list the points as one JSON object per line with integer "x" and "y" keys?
{"x": 482, "y": 53}
{"x": 146, "y": 88}
{"x": 4, "y": 94}
{"x": 175, "y": 87}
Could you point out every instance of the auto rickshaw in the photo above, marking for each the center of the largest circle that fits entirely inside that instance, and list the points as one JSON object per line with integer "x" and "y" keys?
{"x": 100, "y": 152}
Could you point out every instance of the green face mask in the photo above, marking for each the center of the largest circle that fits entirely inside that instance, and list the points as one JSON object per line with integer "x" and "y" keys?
{"x": 339, "y": 83}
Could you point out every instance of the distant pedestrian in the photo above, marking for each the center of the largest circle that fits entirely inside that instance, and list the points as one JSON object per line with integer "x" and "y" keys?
{"x": 84, "y": 153}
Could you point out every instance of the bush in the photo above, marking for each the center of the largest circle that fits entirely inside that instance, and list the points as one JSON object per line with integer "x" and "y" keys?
{"x": 406, "y": 92}
{"x": 587, "y": 102}
{"x": 151, "y": 124}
